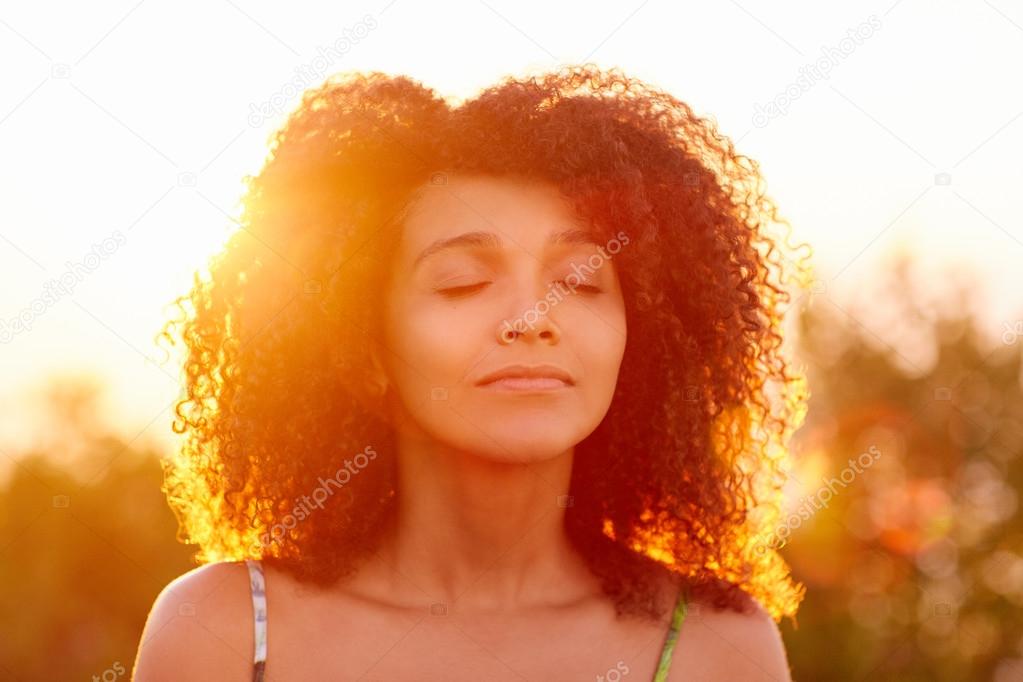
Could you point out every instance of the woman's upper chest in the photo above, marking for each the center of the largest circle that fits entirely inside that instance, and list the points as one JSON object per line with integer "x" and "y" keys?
{"x": 310, "y": 636}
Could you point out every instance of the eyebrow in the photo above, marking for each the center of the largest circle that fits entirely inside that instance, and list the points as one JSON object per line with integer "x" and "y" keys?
{"x": 493, "y": 241}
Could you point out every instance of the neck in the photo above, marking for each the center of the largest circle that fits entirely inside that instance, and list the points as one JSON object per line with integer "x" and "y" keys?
{"x": 481, "y": 535}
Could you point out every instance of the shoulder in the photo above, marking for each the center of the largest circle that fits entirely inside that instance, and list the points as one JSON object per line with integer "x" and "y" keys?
{"x": 716, "y": 644}
{"x": 199, "y": 627}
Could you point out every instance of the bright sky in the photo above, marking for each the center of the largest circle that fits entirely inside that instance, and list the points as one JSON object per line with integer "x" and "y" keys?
{"x": 126, "y": 127}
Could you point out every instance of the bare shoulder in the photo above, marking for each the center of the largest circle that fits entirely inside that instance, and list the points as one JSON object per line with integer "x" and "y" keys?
{"x": 720, "y": 644}
{"x": 199, "y": 627}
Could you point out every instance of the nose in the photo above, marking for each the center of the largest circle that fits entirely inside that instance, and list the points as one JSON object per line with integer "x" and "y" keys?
{"x": 530, "y": 319}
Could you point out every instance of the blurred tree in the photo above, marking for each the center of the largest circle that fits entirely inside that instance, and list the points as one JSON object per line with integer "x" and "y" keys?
{"x": 86, "y": 544}
{"x": 913, "y": 563}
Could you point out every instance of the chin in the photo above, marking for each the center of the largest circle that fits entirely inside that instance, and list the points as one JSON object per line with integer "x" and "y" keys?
{"x": 524, "y": 445}
{"x": 525, "y": 434}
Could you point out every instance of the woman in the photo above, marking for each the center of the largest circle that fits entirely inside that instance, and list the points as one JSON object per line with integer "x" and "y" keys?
{"x": 479, "y": 392}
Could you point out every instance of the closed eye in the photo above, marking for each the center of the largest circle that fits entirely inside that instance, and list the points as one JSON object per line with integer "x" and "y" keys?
{"x": 586, "y": 288}
{"x": 455, "y": 292}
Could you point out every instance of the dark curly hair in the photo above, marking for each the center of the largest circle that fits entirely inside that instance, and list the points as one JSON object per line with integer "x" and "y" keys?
{"x": 683, "y": 476}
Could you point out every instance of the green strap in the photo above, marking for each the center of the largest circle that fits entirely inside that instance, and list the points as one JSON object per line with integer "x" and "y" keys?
{"x": 669, "y": 643}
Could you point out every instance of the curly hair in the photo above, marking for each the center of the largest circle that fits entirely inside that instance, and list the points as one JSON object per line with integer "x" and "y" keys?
{"x": 684, "y": 474}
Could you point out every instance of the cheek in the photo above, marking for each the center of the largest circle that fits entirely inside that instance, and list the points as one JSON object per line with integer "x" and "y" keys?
{"x": 603, "y": 350}
{"x": 597, "y": 333}
{"x": 434, "y": 342}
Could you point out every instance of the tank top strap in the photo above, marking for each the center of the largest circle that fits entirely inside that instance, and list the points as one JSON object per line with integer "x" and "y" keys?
{"x": 257, "y": 585}
{"x": 677, "y": 616}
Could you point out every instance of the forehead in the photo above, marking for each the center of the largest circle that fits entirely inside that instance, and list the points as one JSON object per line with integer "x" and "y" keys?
{"x": 520, "y": 211}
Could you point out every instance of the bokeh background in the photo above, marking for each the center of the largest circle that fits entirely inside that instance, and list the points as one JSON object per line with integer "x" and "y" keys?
{"x": 889, "y": 134}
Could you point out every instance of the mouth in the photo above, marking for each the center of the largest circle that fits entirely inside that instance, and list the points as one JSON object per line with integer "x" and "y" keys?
{"x": 526, "y": 384}
{"x": 528, "y": 378}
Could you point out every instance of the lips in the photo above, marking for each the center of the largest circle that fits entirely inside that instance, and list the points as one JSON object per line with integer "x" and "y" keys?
{"x": 523, "y": 374}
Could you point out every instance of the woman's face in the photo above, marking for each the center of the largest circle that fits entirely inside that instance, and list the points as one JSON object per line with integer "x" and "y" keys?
{"x": 480, "y": 257}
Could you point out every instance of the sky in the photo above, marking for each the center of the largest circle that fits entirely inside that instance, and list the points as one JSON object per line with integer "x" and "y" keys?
{"x": 126, "y": 129}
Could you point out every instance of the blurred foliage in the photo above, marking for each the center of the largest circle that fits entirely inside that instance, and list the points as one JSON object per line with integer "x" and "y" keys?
{"x": 86, "y": 544}
{"x": 913, "y": 566}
